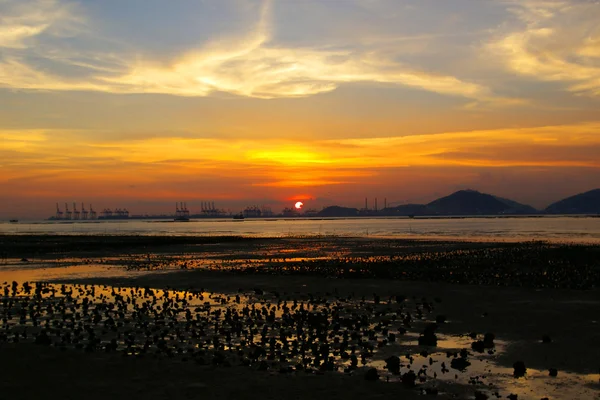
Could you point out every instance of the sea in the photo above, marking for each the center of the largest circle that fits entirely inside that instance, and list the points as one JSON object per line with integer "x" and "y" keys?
{"x": 570, "y": 229}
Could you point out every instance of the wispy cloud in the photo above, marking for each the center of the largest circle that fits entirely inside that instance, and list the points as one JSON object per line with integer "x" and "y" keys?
{"x": 557, "y": 41}
{"x": 25, "y": 19}
{"x": 252, "y": 65}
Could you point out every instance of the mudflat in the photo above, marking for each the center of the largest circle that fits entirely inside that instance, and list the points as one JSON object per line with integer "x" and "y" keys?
{"x": 540, "y": 302}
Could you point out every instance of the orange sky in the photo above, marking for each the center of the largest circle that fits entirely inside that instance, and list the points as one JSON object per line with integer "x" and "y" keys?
{"x": 275, "y": 101}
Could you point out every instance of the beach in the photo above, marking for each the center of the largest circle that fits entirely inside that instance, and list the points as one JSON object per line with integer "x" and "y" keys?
{"x": 540, "y": 301}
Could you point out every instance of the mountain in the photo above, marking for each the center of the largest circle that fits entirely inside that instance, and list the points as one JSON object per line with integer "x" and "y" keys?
{"x": 472, "y": 202}
{"x": 517, "y": 208}
{"x": 337, "y": 211}
{"x": 583, "y": 203}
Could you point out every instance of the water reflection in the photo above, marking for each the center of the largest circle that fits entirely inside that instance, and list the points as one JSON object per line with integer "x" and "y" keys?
{"x": 577, "y": 229}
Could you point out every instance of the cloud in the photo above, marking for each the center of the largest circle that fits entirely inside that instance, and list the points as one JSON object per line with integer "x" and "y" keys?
{"x": 26, "y": 19}
{"x": 556, "y": 41}
{"x": 252, "y": 65}
{"x": 292, "y": 163}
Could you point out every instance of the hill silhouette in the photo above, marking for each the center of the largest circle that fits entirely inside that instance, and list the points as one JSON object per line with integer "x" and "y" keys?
{"x": 472, "y": 202}
{"x": 582, "y": 203}
{"x": 463, "y": 202}
{"x": 517, "y": 208}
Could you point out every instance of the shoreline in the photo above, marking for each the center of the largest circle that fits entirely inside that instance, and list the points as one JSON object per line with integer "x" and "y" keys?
{"x": 414, "y": 237}
{"x": 277, "y": 218}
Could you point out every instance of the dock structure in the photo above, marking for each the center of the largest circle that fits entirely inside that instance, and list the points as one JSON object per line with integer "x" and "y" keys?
{"x": 68, "y": 213}
{"x": 85, "y": 214}
{"x": 252, "y": 212}
{"x": 76, "y": 213}
{"x": 208, "y": 209}
{"x": 93, "y": 214}
{"x": 181, "y": 212}
{"x": 59, "y": 213}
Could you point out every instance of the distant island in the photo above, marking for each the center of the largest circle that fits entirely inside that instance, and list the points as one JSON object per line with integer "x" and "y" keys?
{"x": 472, "y": 202}
{"x": 583, "y": 203}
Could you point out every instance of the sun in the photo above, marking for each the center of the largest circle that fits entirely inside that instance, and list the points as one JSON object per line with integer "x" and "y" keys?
{"x": 298, "y": 205}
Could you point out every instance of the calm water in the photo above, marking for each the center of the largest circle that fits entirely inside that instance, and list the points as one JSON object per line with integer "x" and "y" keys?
{"x": 571, "y": 229}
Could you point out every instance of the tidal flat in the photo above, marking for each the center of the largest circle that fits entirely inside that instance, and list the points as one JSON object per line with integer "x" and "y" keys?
{"x": 235, "y": 317}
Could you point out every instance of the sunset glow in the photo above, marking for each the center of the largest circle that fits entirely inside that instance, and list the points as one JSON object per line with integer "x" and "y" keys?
{"x": 252, "y": 102}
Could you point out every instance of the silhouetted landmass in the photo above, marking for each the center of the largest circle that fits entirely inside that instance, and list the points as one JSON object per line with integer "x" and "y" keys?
{"x": 407, "y": 209}
{"x": 463, "y": 202}
{"x": 517, "y": 208}
{"x": 337, "y": 211}
{"x": 583, "y": 203}
{"x": 472, "y": 202}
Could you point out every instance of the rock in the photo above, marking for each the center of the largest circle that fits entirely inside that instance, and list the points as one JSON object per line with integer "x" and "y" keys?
{"x": 553, "y": 372}
{"x": 392, "y": 364}
{"x": 488, "y": 340}
{"x": 478, "y": 346}
{"x": 428, "y": 337}
{"x": 372, "y": 375}
{"x": 428, "y": 340}
{"x": 519, "y": 369}
{"x": 409, "y": 379}
{"x": 512, "y": 396}
{"x": 460, "y": 364}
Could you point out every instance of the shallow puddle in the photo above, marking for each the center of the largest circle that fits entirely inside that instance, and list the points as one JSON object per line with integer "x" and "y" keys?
{"x": 48, "y": 271}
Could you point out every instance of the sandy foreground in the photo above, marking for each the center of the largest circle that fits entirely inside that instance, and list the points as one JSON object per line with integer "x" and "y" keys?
{"x": 557, "y": 297}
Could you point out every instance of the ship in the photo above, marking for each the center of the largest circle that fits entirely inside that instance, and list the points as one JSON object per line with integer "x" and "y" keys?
{"x": 239, "y": 216}
{"x": 13, "y": 221}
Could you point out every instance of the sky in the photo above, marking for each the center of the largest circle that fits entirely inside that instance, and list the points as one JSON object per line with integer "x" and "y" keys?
{"x": 143, "y": 103}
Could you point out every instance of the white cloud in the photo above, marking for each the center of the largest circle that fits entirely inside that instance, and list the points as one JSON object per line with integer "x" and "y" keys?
{"x": 25, "y": 19}
{"x": 251, "y": 65}
{"x": 558, "y": 41}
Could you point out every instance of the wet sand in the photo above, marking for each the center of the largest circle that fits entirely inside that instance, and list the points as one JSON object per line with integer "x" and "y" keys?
{"x": 518, "y": 309}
